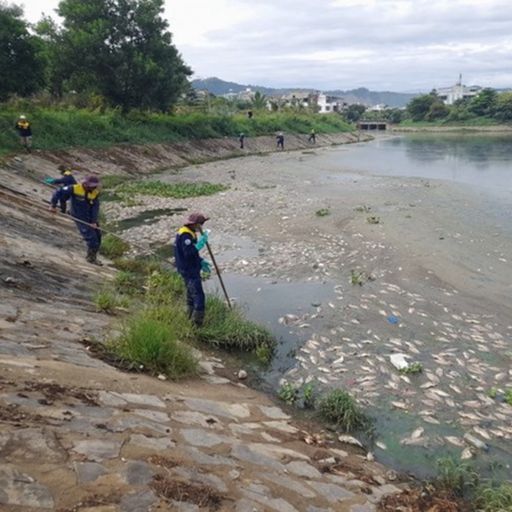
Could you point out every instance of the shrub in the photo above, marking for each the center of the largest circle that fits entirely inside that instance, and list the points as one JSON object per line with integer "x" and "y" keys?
{"x": 150, "y": 341}
{"x": 340, "y": 408}
{"x": 323, "y": 212}
{"x": 113, "y": 247}
{"x": 508, "y": 396}
{"x": 228, "y": 328}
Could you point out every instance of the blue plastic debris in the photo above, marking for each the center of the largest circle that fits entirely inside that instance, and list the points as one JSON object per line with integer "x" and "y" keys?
{"x": 392, "y": 319}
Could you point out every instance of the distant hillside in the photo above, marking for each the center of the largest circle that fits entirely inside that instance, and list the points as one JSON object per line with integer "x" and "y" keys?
{"x": 361, "y": 95}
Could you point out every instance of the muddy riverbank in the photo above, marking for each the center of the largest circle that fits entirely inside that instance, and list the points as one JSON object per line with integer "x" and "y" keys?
{"x": 408, "y": 266}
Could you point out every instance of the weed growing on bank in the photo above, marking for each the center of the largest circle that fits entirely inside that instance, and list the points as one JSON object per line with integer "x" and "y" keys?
{"x": 113, "y": 247}
{"x": 494, "y": 498}
{"x": 108, "y": 301}
{"x": 323, "y": 212}
{"x": 159, "y": 330}
{"x": 227, "y": 328}
{"x": 151, "y": 341}
{"x": 176, "y": 190}
{"x": 456, "y": 477}
{"x": 63, "y": 127}
{"x": 340, "y": 408}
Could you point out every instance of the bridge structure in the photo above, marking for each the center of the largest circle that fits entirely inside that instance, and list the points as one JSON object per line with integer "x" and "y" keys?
{"x": 372, "y": 125}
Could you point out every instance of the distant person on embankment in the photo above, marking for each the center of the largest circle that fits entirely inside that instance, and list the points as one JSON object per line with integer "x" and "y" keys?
{"x": 280, "y": 140}
{"x": 189, "y": 264}
{"x": 312, "y": 136}
{"x": 66, "y": 179}
{"x": 85, "y": 209}
{"x": 241, "y": 138}
{"x": 24, "y": 130}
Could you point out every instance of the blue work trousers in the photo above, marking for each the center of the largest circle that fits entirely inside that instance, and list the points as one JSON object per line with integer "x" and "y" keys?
{"x": 92, "y": 236}
{"x": 195, "y": 294}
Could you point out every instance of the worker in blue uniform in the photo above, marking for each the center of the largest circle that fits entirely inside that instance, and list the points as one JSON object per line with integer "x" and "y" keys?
{"x": 190, "y": 264}
{"x": 85, "y": 209}
{"x": 66, "y": 178}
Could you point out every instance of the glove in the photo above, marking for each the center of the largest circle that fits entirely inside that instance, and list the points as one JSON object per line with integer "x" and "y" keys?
{"x": 206, "y": 267}
{"x": 201, "y": 242}
{"x": 49, "y": 181}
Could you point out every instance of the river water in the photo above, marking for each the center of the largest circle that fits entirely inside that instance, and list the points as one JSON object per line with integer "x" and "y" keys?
{"x": 464, "y": 354}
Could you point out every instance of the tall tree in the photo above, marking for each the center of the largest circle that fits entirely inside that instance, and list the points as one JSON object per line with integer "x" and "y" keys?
{"x": 122, "y": 50}
{"x": 259, "y": 101}
{"x": 21, "y": 70}
{"x": 419, "y": 107}
{"x": 485, "y": 103}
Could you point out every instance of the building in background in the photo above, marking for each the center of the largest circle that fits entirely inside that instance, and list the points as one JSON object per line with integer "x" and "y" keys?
{"x": 450, "y": 95}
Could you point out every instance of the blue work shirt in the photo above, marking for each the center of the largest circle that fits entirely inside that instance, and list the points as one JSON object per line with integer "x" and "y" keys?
{"x": 67, "y": 179}
{"x": 85, "y": 205}
{"x": 188, "y": 261}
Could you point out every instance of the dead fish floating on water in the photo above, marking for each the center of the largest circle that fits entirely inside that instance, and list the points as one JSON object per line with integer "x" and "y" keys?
{"x": 350, "y": 440}
{"x": 475, "y": 442}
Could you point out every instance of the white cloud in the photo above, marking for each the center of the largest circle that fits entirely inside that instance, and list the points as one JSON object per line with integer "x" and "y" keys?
{"x": 393, "y": 44}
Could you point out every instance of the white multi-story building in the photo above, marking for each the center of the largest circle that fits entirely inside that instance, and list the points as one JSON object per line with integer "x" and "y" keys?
{"x": 327, "y": 104}
{"x": 458, "y": 92}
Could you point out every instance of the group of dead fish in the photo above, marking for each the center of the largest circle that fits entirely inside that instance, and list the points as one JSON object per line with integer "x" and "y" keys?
{"x": 454, "y": 350}
{"x": 463, "y": 355}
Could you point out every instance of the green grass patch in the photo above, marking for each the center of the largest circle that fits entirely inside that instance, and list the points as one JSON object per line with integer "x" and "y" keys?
{"x": 108, "y": 301}
{"x": 323, "y": 212}
{"x": 60, "y": 127}
{"x": 227, "y": 328}
{"x": 508, "y": 396}
{"x": 113, "y": 247}
{"x": 340, "y": 408}
{"x": 412, "y": 368}
{"x": 288, "y": 393}
{"x": 164, "y": 287}
{"x": 494, "y": 498}
{"x": 455, "y": 476}
{"x": 129, "y": 283}
{"x": 151, "y": 341}
{"x": 176, "y": 190}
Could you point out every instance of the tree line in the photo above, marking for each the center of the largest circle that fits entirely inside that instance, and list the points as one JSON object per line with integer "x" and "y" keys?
{"x": 116, "y": 53}
{"x": 488, "y": 104}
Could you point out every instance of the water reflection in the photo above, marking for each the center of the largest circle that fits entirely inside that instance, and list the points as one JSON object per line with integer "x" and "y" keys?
{"x": 475, "y": 159}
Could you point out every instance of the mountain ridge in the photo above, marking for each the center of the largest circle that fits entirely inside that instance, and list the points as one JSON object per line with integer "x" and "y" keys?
{"x": 217, "y": 86}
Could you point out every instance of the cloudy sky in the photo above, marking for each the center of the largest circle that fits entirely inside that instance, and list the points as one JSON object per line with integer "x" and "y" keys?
{"x": 399, "y": 45}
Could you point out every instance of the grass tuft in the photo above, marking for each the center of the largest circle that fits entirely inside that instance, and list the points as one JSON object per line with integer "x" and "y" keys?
{"x": 494, "y": 498}
{"x": 340, "y": 408}
{"x": 113, "y": 247}
{"x": 228, "y": 328}
{"x": 456, "y": 477}
{"x": 108, "y": 301}
{"x": 150, "y": 340}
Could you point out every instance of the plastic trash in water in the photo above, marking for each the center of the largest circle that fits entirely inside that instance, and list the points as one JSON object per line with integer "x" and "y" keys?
{"x": 392, "y": 319}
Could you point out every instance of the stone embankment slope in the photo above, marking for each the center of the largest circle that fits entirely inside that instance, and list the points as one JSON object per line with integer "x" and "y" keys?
{"x": 79, "y": 435}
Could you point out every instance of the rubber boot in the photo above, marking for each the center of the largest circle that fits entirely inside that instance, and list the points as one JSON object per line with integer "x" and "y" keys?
{"x": 92, "y": 257}
{"x": 198, "y": 318}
